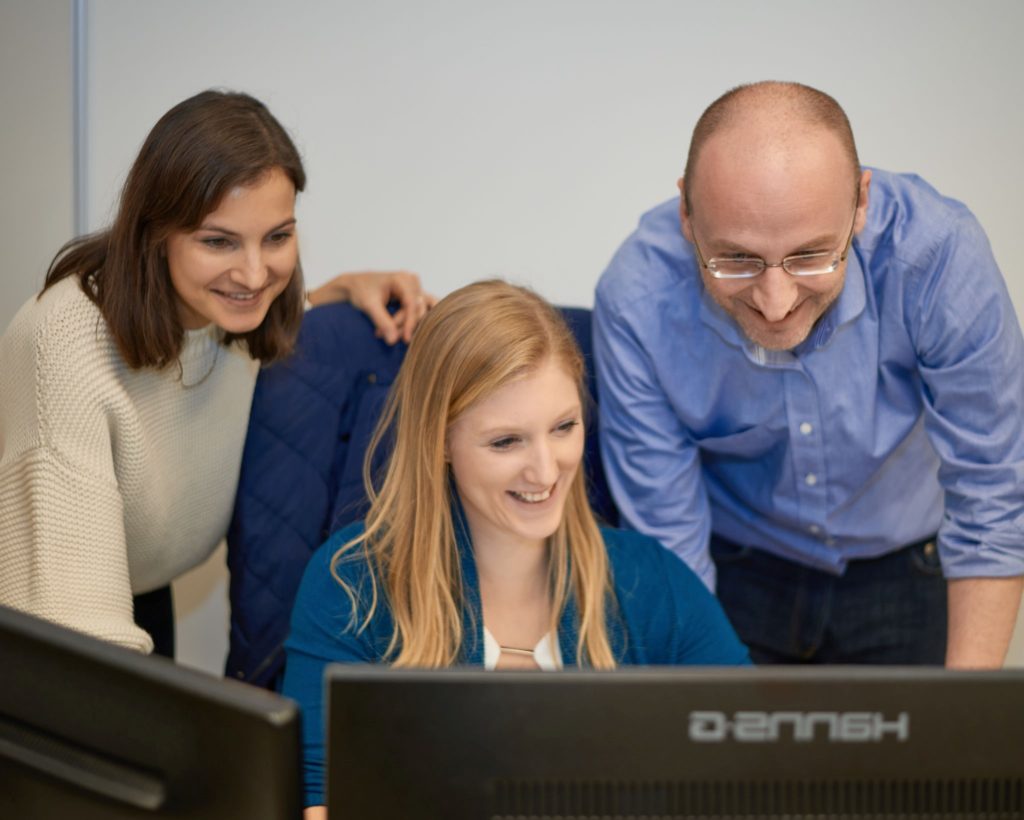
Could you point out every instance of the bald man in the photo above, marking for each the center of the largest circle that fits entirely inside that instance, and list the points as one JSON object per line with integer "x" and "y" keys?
{"x": 811, "y": 386}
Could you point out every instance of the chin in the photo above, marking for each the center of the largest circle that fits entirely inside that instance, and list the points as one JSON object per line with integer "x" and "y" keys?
{"x": 240, "y": 325}
{"x": 541, "y": 530}
{"x": 785, "y": 339}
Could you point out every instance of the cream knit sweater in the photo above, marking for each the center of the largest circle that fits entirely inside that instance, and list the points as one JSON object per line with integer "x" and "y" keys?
{"x": 112, "y": 481}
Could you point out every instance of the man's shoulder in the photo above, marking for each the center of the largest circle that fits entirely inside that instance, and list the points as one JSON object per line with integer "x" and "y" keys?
{"x": 653, "y": 260}
{"x": 910, "y": 218}
{"x": 649, "y": 258}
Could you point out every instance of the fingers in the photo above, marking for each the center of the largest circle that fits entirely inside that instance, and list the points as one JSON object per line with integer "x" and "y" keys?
{"x": 384, "y": 323}
{"x": 371, "y": 293}
{"x": 414, "y": 303}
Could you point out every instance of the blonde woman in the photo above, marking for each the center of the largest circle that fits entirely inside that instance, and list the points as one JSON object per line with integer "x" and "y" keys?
{"x": 480, "y": 547}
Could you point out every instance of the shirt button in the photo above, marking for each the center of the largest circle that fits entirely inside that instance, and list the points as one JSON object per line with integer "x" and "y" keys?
{"x": 814, "y": 529}
{"x": 806, "y": 428}
{"x": 810, "y": 479}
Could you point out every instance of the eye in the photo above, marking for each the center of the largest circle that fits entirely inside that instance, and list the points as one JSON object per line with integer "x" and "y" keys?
{"x": 217, "y": 242}
{"x": 566, "y": 427}
{"x": 505, "y": 443}
{"x": 279, "y": 237}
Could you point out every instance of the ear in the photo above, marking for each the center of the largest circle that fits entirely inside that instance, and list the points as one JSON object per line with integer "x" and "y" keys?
{"x": 862, "y": 203}
{"x": 684, "y": 214}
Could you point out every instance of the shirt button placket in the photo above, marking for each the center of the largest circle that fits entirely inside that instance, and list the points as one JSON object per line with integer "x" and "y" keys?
{"x": 806, "y": 446}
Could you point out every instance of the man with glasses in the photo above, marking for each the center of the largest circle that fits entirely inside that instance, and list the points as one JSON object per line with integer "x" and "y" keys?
{"x": 811, "y": 385}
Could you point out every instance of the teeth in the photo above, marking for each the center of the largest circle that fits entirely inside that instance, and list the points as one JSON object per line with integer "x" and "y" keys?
{"x": 533, "y": 498}
{"x": 239, "y": 297}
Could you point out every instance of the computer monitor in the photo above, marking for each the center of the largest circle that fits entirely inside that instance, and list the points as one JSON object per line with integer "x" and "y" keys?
{"x": 89, "y": 730}
{"x": 675, "y": 743}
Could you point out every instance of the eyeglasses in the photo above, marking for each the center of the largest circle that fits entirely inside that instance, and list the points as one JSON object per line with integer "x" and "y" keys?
{"x": 800, "y": 264}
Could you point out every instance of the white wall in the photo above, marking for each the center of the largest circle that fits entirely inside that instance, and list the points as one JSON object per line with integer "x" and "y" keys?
{"x": 483, "y": 137}
{"x": 36, "y": 179}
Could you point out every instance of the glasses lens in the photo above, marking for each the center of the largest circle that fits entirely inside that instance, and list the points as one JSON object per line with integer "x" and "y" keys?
{"x": 812, "y": 264}
{"x": 735, "y": 268}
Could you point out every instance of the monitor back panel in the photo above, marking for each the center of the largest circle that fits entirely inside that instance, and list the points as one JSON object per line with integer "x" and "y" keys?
{"x": 675, "y": 743}
{"x": 89, "y": 730}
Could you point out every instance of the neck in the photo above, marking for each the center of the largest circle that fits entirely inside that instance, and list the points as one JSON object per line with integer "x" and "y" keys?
{"x": 511, "y": 572}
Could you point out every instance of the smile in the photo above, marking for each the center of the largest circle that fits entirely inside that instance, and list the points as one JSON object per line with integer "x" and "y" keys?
{"x": 533, "y": 498}
{"x": 240, "y": 296}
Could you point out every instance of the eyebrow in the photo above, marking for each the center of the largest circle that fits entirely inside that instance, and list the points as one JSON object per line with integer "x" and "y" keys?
{"x": 507, "y": 429}
{"x": 216, "y": 228}
{"x": 825, "y": 240}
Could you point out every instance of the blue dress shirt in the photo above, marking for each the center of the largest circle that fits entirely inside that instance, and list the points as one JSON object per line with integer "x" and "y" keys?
{"x": 663, "y": 616}
{"x": 901, "y": 414}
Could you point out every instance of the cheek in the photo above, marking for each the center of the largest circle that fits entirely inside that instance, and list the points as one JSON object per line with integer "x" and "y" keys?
{"x": 570, "y": 452}
{"x": 285, "y": 261}
{"x": 725, "y": 292}
{"x": 189, "y": 270}
{"x": 825, "y": 292}
{"x": 473, "y": 471}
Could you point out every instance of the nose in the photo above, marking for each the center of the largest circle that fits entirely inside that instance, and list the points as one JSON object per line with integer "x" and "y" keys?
{"x": 542, "y": 467}
{"x": 775, "y": 293}
{"x": 251, "y": 270}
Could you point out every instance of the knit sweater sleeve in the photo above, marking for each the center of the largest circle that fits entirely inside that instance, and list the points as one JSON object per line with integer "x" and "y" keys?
{"x": 63, "y": 555}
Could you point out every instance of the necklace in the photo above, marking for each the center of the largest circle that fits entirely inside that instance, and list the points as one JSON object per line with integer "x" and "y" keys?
{"x": 513, "y": 650}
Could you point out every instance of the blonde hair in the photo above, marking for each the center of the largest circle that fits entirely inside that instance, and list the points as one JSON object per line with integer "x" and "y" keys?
{"x": 474, "y": 341}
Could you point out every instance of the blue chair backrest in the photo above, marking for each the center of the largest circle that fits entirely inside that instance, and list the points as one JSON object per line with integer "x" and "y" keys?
{"x": 302, "y": 470}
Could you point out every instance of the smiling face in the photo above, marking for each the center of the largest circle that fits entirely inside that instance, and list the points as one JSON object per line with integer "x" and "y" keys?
{"x": 773, "y": 201}
{"x": 514, "y": 455}
{"x": 241, "y": 258}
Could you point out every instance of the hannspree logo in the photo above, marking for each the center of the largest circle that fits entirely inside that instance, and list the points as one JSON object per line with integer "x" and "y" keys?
{"x": 803, "y": 727}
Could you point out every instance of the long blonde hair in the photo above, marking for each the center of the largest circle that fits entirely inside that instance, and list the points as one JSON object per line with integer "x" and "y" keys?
{"x": 474, "y": 341}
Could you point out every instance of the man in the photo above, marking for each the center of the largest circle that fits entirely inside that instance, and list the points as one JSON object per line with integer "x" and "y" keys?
{"x": 810, "y": 375}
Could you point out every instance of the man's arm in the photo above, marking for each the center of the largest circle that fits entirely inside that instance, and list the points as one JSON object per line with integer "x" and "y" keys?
{"x": 982, "y": 614}
{"x": 971, "y": 361}
{"x": 653, "y": 467}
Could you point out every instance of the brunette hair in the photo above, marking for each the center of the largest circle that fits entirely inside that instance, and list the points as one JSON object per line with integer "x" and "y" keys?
{"x": 197, "y": 152}
{"x": 474, "y": 341}
{"x": 791, "y": 103}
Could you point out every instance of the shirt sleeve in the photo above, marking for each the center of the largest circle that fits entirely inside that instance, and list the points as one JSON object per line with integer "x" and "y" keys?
{"x": 63, "y": 553}
{"x": 652, "y": 464}
{"x": 324, "y": 630}
{"x": 971, "y": 362}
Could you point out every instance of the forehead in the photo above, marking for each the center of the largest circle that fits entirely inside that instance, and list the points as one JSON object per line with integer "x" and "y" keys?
{"x": 535, "y": 398}
{"x": 270, "y": 196}
{"x": 787, "y": 187}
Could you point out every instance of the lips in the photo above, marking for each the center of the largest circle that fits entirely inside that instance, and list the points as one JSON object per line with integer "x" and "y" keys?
{"x": 240, "y": 297}
{"x": 533, "y": 498}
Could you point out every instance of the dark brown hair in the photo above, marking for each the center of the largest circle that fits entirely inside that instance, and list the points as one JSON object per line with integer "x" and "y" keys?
{"x": 195, "y": 154}
{"x": 791, "y": 100}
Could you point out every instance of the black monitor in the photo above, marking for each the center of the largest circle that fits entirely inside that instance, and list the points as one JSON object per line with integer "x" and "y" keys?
{"x": 89, "y": 730}
{"x": 675, "y": 743}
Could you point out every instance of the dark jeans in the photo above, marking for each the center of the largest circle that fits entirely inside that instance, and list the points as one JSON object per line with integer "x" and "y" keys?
{"x": 154, "y": 612}
{"x": 887, "y": 610}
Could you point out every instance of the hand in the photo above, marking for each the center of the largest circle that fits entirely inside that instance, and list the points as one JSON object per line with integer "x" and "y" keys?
{"x": 371, "y": 292}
